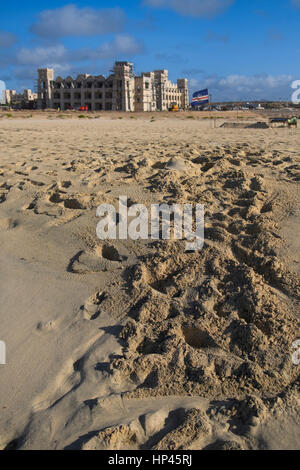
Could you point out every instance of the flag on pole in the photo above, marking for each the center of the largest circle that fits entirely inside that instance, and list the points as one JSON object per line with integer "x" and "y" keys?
{"x": 200, "y": 97}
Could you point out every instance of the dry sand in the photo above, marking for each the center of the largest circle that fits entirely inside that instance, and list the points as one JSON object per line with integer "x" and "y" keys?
{"x": 141, "y": 345}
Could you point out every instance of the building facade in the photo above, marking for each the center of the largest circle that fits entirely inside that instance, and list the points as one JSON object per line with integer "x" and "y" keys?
{"x": 29, "y": 95}
{"x": 2, "y": 92}
{"x": 121, "y": 91}
{"x": 14, "y": 98}
{"x": 11, "y": 96}
{"x": 168, "y": 93}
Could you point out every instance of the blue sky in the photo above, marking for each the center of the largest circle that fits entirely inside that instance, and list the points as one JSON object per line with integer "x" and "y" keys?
{"x": 240, "y": 49}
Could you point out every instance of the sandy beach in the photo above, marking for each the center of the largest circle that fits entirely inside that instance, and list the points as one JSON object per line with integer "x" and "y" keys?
{"x": 127, "y": 344}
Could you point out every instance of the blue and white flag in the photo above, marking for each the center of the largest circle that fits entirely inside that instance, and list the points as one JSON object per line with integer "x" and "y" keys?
{"x": 200, "y": 97}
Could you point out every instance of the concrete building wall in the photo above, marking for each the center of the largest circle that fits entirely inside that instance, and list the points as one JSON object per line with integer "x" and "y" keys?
{"x": 145, "y": 92}
{"x": 168, "y": 93}
{"x": 45, "y": 81}
{"x": 121, "y": 91}
{"x": 29, "y": 95}
{"x": 8, "y": 96}
{"x": 182, "y": 84}
{"x": 123, "y": 72}
{"x": 12, "y": 97}
{"x": 2, "y": 92}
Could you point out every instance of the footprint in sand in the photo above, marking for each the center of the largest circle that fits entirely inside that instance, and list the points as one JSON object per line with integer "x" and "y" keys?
{"x": 65, "y": 184}
{"x": 91, "y": 309}
{"x": 108, "y": 252}
{"x": 104, "y": 258}
{"x": 46, "y": 327}
{"x": 197, "y": 338}
{"x": 8, "y": 223}
{"x": 55, "y": 198}
{"x": 73, "y": 203}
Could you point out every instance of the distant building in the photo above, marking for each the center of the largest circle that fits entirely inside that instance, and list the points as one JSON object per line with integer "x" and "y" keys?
{"x": 145, "y": 92}
{"x": 10, "y": 96}
{"x": 29, "y": 95}
{"x": 168, "y": 93}
{"x": 2, "y": 93}
{"x": 21, "y": 99}
{"x": 121, "y": 91}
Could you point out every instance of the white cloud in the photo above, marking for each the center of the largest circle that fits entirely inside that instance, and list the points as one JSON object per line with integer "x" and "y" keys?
{"x": 7, "y": 39}
{"x": 41, "y": 55}
{"x": 64, "y": 61}
{"x": 72, "y": 21}
{"x": 242, "y": 87}
{"x": 122, "y": 45}
{"x": 202, "y": 8}
{"x": 61, "y": 69}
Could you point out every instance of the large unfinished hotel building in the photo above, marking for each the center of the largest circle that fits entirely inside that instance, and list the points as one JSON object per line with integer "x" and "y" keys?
{"x": 121, "y": 91}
